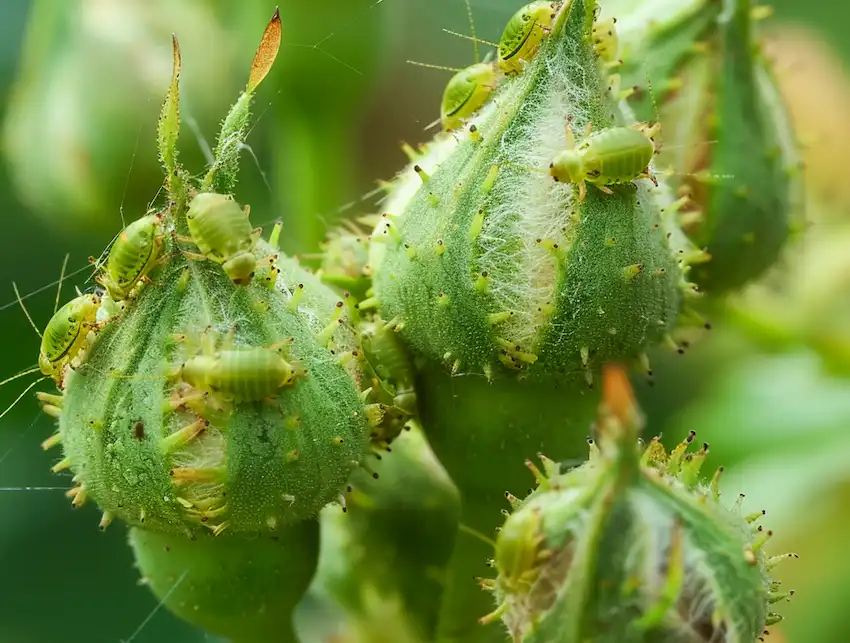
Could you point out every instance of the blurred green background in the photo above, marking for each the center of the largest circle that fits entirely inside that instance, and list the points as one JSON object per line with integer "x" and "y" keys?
{"x": 81, "y": 82}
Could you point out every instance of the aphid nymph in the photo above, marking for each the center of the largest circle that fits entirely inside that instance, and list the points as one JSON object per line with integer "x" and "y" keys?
{"x": 610, "y": 156}
{"x": 524, "y": 33}
{"x": 222, "y": 231}
{"x": 132, "y": 256}
{"x": 238, "y": 373}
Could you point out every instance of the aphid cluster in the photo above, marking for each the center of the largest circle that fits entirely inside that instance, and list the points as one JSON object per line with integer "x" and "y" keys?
{"x": 472, "y": 87}
{"x": 607, "y": 157}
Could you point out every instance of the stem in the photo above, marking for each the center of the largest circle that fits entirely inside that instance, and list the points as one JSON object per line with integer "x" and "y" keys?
{"x": 482, "y": 432}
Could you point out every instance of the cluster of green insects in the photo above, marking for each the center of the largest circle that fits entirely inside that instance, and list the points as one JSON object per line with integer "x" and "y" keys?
{"x": 220, "y": 230}
{"x": 608, "y": 157}
{"x": 472, "y": 87}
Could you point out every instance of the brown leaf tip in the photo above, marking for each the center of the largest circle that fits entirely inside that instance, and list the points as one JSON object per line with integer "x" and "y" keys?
{"x": 266, "y": 52}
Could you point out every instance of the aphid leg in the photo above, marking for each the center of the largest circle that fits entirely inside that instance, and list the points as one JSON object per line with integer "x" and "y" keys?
{"x": 255, "y": 233}
{"x": 605, "y": 189}
{"x": 282, "y": 347}
{"x": 582, "y": 191}
{"x": 571, "y": 139}
{"x": 194, "y": 256}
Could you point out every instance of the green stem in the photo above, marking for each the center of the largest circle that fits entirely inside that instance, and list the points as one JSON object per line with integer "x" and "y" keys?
{"x": 314, "y": 172}
{"x": 240, "y": 587}
{"x": 482, "y": 432}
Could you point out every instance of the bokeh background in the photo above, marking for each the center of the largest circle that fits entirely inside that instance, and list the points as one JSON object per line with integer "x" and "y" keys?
{"x": 81, "y": 82}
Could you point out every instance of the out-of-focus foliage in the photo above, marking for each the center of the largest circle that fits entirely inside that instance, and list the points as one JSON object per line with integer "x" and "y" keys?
{"x": 81, "y": 81}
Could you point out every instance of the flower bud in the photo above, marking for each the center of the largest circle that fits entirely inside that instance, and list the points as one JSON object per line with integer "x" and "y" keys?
{"x": 511, "y": 287}
{"x": 505, "y": 249}
{"x": 729, "y": 140}
{"x": 631, "y": 546}
{"x": 209, "y": 408}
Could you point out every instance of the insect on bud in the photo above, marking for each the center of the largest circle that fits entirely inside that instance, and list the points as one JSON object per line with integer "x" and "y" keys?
{"x": 207, "y": 410}
{"x": 631, "y": 546}
{"x": 517, "y": 218}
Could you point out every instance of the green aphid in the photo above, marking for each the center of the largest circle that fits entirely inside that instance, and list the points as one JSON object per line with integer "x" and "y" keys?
{"x": 518, "y": 556}
{"x": 223, "y": 233}
{"x": 239, "y": 374}
{"x": 467, "y": 92}
{"x": 391, "y": 373}
{"x": 133, "y": 255}
{"x": 607, "y": 157}
{"x": 65, "y": 335}
{"x": 523, "y": 34}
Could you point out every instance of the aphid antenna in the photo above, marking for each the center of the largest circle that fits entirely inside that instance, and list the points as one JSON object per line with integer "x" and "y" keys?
{"x": 473, "y": 38}
{"x": 430, "y": 66}
{"x": 244, "y": 146}
{"x": 478, "y": 535}
{"x": 61, "y": 279}
{"x": 472, "y": 30}
{"x": 431, "y": 125}
{"x": 25, "y": 391}
{"x": 203, "y": 144}
{"x": 24, "y": 308}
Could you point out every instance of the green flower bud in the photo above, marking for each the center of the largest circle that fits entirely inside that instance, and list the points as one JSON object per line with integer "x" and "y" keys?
{"x": 729, "y": 136}
{"x": 204, "y": 407}
{"x": 498, "y": 258}
{"x": 210, "y": 406}
{"x": 631, "y": 547}
{"x": 511, "y": 288}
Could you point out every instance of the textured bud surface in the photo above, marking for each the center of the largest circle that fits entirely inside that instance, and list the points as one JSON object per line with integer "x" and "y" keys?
{"x": 490, "y": 263}
{"x": 625, "y": 550}
{"x": 153, "y": 449}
